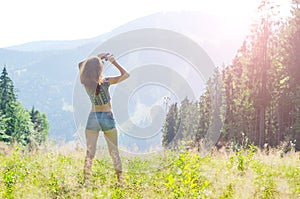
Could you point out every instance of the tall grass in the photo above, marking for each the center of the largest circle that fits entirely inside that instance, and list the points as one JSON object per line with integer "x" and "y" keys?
{"x": 246, "y": 174}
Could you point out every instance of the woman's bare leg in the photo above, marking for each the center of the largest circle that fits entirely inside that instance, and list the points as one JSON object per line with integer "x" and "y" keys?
{"x": 91, "y": 144}
{"x": 111, "y": 137}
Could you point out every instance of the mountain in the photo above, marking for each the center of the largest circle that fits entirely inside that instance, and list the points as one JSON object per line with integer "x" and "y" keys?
{"x": 44, "y": 72}
{"x": 38, "y": 46}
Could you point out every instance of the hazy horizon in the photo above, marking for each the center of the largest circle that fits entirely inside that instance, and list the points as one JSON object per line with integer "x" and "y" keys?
{"x": 36, "y": 21}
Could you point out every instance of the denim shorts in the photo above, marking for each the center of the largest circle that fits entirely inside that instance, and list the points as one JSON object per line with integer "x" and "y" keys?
{"x": 100, "y": 121}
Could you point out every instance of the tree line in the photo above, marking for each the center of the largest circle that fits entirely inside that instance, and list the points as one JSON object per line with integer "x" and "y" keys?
{"x": 18, "y": 125}
{"x": 258, "y": 93}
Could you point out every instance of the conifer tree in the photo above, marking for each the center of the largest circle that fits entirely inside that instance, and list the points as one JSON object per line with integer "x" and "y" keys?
{"x": 17, "y": 125}
{"x": 7, "y": 105}
{"x": 40, "y": 125}
{"x": 171, "y": 125}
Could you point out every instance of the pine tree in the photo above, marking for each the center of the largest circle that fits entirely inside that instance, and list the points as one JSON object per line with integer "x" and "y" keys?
{"x": 17, "y": 125}
{"x": 3, "y": 135}
{"x": 170, "y": 126}
{"x": 211, "y": 112}
{"x": 251, "y": 83}
{"x": 23, "y": 127}
{"x": 261, "y": 86}
{"x": 6, "y": 92}
{"x": 204, "y": 113}
{"x": 292, "y": 61}
{"x": 40, "y": 125}
{"x": 7, "y": 105}
{"x": 188, "y": 118}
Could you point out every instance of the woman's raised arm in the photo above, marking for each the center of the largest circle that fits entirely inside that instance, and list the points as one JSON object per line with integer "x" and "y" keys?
{"x": 124, "y": 74}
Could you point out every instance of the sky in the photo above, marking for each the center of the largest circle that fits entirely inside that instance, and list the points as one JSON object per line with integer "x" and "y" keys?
{"x": 25, "y": 21}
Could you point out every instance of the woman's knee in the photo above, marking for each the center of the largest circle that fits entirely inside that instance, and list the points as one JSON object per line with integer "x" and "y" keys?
{"x": 91, "y": 142}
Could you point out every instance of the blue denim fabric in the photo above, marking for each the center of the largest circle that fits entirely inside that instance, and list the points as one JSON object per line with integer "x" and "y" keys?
{"x": 100, "y": 121}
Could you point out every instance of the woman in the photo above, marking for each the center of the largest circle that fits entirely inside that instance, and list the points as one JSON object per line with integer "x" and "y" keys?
{"x": 101, "y": 116}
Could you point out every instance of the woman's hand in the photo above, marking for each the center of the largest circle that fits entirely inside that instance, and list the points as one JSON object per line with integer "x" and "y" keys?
{"x": 107, "y": 57}
{"x": 111, "y": 58}
{"x": 103, "y": 55}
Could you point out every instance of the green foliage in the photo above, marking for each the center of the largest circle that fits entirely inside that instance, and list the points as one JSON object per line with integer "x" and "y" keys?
{"x": 266, "y": 186}
{"x": 247, "y": 174}
{"x": 22, "y": 126}
{"x": 258, "y": 94}
{"x": 186, "y": 180}
{"x": 7, "y": 92}
{"x": 244, "y": 161}
{"x": 171, "y": 125}
{"x": 16, "y": 124}
{"x": 7, "y": 105}
{"x": 293, "y": 175}
{"x": 228, "y": 193}
{"x": 3, "y": 124}
{"x": 194, "y": 120}
{"x": 14, "y": 171}
{"x": 40, "y": 126}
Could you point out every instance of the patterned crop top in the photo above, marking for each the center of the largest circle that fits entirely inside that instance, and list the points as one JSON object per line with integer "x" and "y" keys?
{"x": 103, "y": 97}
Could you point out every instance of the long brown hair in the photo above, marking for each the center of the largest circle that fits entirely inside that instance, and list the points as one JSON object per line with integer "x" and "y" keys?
{"x": 91, "y": 74}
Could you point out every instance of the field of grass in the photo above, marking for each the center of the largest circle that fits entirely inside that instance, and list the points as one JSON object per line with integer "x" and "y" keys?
{"x": 54, "y": 174}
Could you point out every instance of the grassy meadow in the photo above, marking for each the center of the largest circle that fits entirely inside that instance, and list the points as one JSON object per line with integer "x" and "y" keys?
{"x": 54, "y": 173}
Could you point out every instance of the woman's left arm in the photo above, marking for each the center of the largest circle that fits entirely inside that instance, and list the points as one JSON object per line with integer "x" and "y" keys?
{"x": 124, "y": 74}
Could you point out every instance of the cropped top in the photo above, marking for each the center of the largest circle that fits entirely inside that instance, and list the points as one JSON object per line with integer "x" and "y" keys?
{"x": 102, "y": 97}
